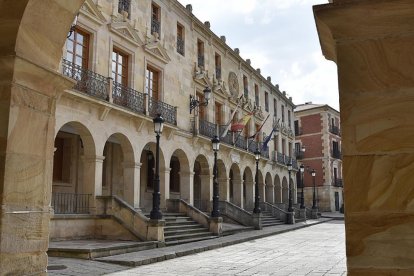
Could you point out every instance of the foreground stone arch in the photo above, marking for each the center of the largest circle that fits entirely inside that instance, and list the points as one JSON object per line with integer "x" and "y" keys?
{"x": 30, "y": 52}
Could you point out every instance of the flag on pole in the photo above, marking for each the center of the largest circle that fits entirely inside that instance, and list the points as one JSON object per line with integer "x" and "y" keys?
{"x": 228, "y": 125}
{"x": 236, "y": 127}
{"x": 260, "y": 128}
{"x": 268, "y": 138}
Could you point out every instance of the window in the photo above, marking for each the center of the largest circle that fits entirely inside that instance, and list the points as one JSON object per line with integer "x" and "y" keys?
{"x": 124, "y": 7}
{"x": 257, "y": 133}
{"x": 290, "y": 149}
{"x": 175, "y": 175}
{"x": 276, "y": 142}
{"x": 217, "y": 110}
{"x": 217, "y": 60}
{"x": 152, "y": 83}
{"x": 289, "y": 119}
{"x": 246, "y": 130}
{"x": 283, "y": 113}
{"x": 77, "y": 48}
{"x": 119, "y": 67}
{"x": 245, "y": 86}
{"x": 297, "y": 130}
{"x": 275, "y": 108}
{"x": 155, "y": 19}
{"x": 256, "y": 95}
{"x": 200, "y": 53}
{"x": 201, "y": 108}
{"x": 180, "y": 39}
{"x": 267, "y": 101}
{"x": 283, "y": 146}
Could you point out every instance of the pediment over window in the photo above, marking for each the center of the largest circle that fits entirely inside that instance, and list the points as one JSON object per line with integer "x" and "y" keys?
{"x": 247, "y": 105}
{"x": 219, "y": 87}
{"x": 125, "y": 30}
{"x": 157, "y": 50}
{"x": 258, "y": 114}
{"x": 91, "y": 11}
{"x": 201, "y": 77}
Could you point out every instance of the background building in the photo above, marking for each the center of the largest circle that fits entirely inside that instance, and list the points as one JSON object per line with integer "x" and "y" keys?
{"x": 318, "y": 146}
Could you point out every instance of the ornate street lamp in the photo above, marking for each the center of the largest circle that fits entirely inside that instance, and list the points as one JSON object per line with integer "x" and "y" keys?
{"x": 290, "y": 209}
{"x": 313, "y": 173}
{"x": 256, "y": 209}
{"x": 216, "y": 146}
{"x": 155, "y": 212}
{"x": 196, "y": 103}
{"x": 302, "y": 196}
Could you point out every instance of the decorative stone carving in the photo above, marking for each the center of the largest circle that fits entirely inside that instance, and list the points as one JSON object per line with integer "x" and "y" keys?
{"x": 233, "y": 85}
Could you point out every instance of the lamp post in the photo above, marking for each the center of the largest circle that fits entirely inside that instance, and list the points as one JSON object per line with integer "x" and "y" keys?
{"x": 313, "y": 173}
{"x": 196, "y": 103}
{"x": 155, "y": 212}
{"x": 290, "y": 208}
{"x": 302, "y": 196}
{"x": 215, "y": 212}
{"x": 256, "y": 209}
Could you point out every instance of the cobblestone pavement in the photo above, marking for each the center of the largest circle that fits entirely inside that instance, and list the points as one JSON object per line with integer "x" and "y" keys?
{"x": 313, "y": 251}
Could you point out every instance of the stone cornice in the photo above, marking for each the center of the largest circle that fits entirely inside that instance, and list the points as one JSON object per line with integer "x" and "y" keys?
{"x": 348, "y": 21}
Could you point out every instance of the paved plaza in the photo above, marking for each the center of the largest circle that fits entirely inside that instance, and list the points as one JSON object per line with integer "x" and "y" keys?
{"x": 314, "y": 250}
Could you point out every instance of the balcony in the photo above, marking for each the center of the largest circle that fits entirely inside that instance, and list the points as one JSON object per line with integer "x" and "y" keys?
{"x": 241, "y": 142}
{"x": 228, "y": 139}
{"x": 155, "y": 26}
{"x": 253, "y": 145}
{"x": 99, "y": 87}
{"x": 335, "y": 130}
{"x": 168, "y": 112}
{"x": 180, "y": 45}
{"x": 207, "y": 129}
{"x": 128, "y": 97}
{"x": 265, "y": 153}
{"x": 338, "y": 183}
{"x": 299, "y": 154}
{"x": 336, "y": 154}
{"x": 88, "y": 82}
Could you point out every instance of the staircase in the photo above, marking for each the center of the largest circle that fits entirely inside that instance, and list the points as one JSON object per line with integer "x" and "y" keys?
{"x": 180, "y": 228}
{"x": 269, "y": 220}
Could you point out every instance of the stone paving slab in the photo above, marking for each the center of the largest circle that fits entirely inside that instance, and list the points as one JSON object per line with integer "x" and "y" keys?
{"x": 160, "y": 254}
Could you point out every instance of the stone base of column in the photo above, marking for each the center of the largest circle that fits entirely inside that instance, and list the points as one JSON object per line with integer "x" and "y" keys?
{"x": 156, "y": 230}
{"x": 314, "y": 214}
{"x": 216, "y": 225}
{"x": 290, "y": 218}
{"x": 257, "y": 221}
{"x": 302, "y": 213}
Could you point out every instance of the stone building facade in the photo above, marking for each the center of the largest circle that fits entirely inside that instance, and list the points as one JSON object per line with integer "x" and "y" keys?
{"x": 318, "y": 146}
{"x": 130, "y": 60}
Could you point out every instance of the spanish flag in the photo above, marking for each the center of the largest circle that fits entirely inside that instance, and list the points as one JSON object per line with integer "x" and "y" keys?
{"x": 242, "y": 123}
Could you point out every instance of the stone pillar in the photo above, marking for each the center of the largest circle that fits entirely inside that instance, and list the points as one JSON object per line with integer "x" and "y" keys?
{"x": 372, "y": 43}
{"x": 238, "y": 192}
{"x": 224, "y": 189}
{"x": 270, "y": 194}
{"x": 262, "y": 192}
{"x": 165, "y": 188}
{"x": 187, "y": 187}
{"x": 249, "y": 195}
{"x": 132, "y": 176}
{"x": 206, "y": 192}
{"x": 92, "y": 177}
{"x": 216, "y": 225}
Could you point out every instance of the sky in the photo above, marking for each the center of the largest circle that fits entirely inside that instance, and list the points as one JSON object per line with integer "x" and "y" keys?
{"x": 280, "y": 38}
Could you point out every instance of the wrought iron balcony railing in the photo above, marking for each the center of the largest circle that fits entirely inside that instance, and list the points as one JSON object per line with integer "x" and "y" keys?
{"x": 180, "y": 45}
{"x": 207, "y": 128}
{"x": 253, "y": 145}
{"x": 338, "y": 182}
{"x": 265, "y": 153}
{"x": 228, "y": 139}
{"x": 200, "y": 60}
{"x": 299, "y": 154}
{"x": 336, "y": 154}
{"x": 168, "y": 112}
{"x": 155, "y": 26}
{"x": 88, "y": 82}
{"x": 241, "y": 142}
{"x": 280, "y": 158}
{"x": 65, "y": 203}
{"x": 335, "y": 130}
{"x": 128, "y": 97}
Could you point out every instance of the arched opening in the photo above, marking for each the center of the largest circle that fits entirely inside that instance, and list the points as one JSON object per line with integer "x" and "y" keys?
{"x": 202, "y": 187}
{"x": 235, "y": 183}
{"x": 261, "y": 187}
{"x": 278, "y": 190}
{"x": 74, "y": 165}
{"x": 223, "y": 181}
{"x": 269, "y": 189}
{"x": 181, "y": 182}
{"x": 147, "y": 177}
{"x": 119, "y": 169}
{"x": 248, "y": 189}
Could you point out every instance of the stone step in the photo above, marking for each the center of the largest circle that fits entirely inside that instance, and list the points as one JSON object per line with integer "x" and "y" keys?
{"x": 171, "y": 228}
{"x": 180, "y": 223}
{"x": 196, "y": 239}
{"x": 91, "y": 249}
{"x": 178, "y": 237}
{"x": 184, "y": 231}
{"x": 272, "y": 223}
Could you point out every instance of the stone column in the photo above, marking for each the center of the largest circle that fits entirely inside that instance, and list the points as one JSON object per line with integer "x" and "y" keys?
{"x": 165, "y": 188}
{"x": 207, "y": 191}
{"x": 249, "y": 195}
{"x": 224, "y": 189}
{"x": 238, "y": 192}
{"x": 262, "y": 192}
{"x": 92, "y": 177}
{"x": 270, "y": 194}
{"x": 132, "y": 176}
{"x": 372, "y": 43}
{"x": 187, "y": 186}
